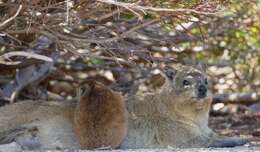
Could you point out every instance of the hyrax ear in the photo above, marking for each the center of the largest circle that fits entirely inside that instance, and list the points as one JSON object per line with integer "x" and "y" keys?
{"x": 170, "y": 72}
{"x": 82, "y": 90}
{"x": 201, "y": 66}
{"x": 86, "y": 87}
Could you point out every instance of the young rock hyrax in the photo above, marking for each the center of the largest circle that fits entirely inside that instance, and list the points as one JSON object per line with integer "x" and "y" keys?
{"x": 100, "y": 117}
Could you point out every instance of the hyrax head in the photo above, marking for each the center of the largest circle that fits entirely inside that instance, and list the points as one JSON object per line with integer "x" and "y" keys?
{"x": 188, "y": 81}
{"x": 92, "y": 88}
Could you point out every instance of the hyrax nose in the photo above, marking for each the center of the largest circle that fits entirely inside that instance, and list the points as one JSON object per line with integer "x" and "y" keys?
{"x": 202, "y": 91}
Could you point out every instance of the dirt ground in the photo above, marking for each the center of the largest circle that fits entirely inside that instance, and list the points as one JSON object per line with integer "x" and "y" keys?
{"x": 243, "y": 123}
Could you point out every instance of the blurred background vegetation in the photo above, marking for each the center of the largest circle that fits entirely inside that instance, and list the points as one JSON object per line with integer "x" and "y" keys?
{"x": 238, "y": 47}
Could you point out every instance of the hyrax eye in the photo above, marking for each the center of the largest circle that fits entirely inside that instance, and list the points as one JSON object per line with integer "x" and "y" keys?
{"x": 185, "y": 82}
{"x": 206, "y": 81}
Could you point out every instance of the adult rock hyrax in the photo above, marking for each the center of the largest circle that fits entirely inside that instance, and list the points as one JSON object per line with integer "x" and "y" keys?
{"x": 98, "y": 120}
{"x": 176, "y": 115}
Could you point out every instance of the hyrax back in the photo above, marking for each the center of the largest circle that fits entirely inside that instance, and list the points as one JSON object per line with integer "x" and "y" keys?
{"x": 38, "y": 125}
{"x": 100, "y": 117}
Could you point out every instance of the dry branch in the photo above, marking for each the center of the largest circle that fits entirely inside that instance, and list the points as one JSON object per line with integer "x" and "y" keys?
{"x": 25, "y": 54}
{"x": 31, "y": 73}
{"x": 245, "y": 98}
{"x": 133, "y": 6}
{"x": 126, "y": 42}
{"x": 10, "y": 62}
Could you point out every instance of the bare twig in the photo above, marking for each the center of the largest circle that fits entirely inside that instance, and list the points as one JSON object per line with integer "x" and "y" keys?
{"x": 105, "y": 40}
{"x": 133, "y": 6}
{"x": 11, "y": 18}
{"x": 26, "y": 54}
{"x": 10, "y": 62}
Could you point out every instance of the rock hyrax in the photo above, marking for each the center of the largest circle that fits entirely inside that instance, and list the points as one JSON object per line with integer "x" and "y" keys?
{"x": 174, "y": 116}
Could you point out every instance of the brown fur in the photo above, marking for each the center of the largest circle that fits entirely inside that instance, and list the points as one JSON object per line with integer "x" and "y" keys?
{"x": 99, "y": 120}
{"x": 100, "y": 117}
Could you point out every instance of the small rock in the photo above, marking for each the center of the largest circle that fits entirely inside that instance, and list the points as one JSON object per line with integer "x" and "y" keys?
{"x": 256, "y": 132}
{"x": 255, "y": 107}
{"x": 12, "y": 147}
